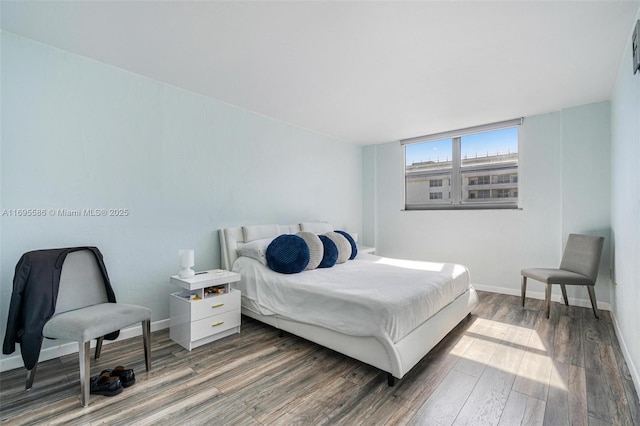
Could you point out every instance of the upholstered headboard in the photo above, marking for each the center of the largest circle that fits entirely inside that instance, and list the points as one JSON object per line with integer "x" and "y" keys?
{"x": 231, "y": 239}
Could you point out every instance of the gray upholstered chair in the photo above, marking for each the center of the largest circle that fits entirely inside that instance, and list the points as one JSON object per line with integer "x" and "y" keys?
{"x": 82, "y": 313}
{"x": 579, "y": 266}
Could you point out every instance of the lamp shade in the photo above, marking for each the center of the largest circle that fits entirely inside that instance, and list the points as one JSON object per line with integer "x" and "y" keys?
{"x": 187, "y": 260}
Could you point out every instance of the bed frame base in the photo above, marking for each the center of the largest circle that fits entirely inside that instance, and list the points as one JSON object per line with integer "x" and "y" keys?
{"x": 396, "y": 359}
{"x": 391, "y": 381}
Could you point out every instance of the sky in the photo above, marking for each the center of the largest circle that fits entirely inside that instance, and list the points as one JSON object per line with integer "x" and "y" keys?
{"x": 503, "y": 140}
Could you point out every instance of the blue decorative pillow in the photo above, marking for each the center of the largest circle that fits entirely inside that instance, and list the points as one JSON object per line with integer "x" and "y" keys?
{"x": 288, "y": 254}
{"x": 330, "y": 252}
{"x": 354, "y": 246}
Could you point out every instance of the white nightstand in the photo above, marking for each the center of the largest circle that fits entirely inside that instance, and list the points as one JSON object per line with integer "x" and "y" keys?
{"x": 206, "y": 310}
{"x": 369, "y": 250}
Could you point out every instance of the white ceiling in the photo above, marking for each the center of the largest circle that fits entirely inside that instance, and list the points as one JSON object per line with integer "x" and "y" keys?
{"x": 363, "y": 72}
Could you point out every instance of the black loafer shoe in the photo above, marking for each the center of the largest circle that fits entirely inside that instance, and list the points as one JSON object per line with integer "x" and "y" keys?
{"x": 104, "y": 384}
{"x": 126, "y": 375}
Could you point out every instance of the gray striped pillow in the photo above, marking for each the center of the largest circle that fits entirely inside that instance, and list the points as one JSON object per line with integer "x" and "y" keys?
{"x": 344, "y": 247}
{"x": 316, "y": 249}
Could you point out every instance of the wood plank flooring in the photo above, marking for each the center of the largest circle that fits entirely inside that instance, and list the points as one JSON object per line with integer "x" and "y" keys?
{"x": 503, "y": 365}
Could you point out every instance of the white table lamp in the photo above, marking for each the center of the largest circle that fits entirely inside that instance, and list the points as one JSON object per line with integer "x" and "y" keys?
{"x": 186, "y": 262}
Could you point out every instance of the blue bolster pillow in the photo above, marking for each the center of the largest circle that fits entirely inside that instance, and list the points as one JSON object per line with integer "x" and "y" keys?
{"x": 330, "y": 252}
{"x": 287, "y": 254}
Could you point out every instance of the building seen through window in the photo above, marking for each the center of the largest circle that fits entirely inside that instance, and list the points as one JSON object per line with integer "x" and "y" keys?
{"x": 472, "y": 170}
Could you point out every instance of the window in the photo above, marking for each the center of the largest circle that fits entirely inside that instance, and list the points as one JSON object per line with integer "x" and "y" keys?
{"x": 479, "y": 180}
{"x": 483, "y": 193}
{"x": 503, "y": 193}
{"x": 471, "y": 168}
{"x": 503, "y": 179}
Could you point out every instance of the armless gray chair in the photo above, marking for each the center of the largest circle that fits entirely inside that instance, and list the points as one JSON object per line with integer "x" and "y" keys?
{"x": 579, "y": 266}
{"x": 83, "y": 313}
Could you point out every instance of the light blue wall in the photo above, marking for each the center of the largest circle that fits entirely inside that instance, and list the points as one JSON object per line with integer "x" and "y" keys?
{"x": 625, "y": 209}
{"x": 77, "y": 134}
{"x": 586, "y": 182}
{"x": 564, "y": 188}
{"x": 369, "y": 193}
{"x": 586, "y": 172}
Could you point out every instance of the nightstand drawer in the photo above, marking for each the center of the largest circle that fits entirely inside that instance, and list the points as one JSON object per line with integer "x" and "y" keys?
{"x": 215, "y": 324}
{"x": 214, "y": 305}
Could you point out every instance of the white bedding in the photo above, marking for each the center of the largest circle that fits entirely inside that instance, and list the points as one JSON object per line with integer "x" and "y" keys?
{"x": 367, "y": 296}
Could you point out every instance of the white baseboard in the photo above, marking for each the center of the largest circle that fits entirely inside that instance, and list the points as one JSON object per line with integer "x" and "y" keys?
{"x": 583, "y": 303}
{"x": 15, "y": 360}
{"x": 633, "y": 371}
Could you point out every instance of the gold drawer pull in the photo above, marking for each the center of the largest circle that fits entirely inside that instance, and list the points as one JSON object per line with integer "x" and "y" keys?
{"x": 217, "y": 305}
{"x": 215, "y": 324}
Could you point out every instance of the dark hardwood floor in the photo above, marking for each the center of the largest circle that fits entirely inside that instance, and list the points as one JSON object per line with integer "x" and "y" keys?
{"x": 502, "y": 365}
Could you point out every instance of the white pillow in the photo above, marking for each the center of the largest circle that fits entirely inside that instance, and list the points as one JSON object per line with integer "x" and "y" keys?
{"x": 316, "y": 227}
{"x": 259, "y": 232}
{"x": 344, "y": 246}
{"x": 256, "y": 249}
{"x": 316, "y": 248}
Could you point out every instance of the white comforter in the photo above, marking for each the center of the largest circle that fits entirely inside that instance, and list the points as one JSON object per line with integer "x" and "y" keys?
{"x": 367, "y": 296}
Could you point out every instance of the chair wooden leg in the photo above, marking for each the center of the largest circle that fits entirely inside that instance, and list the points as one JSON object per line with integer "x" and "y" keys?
{"x": 84, "y": 355}
{"x": 99, "y": 347}
{"x": 523, "y": 288}
{"x": 146, "y": 339}
{"x": 594, "y": 304}
{"x": 564, "y": 294}
{"x": 547, "y": 299}
{"x": 31, "y": 374}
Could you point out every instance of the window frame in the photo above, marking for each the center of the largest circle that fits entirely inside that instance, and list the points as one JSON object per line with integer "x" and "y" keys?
{"x": 456, "y": 201}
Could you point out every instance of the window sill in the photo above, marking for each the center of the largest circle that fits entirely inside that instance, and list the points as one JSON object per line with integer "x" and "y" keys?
{"x": 464, "y": 207}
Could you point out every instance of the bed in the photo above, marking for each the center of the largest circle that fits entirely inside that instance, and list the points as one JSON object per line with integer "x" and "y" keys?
{"x": 388, "y": 313}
